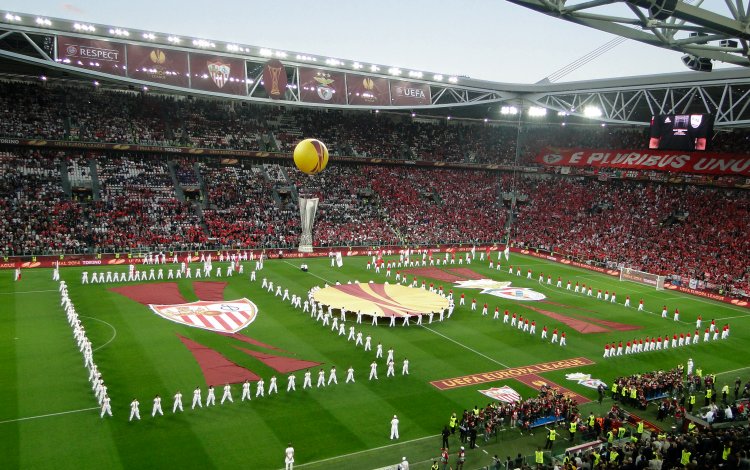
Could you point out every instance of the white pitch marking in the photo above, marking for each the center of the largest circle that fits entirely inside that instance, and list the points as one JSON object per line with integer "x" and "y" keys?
{"x": 734, "y": 370}
{"x": 48, "y": 415}
{"x": 114, "y": 332}
{"x": 367, "y": 450}
{"x": 314, "y": 275}
{"x": 466, "y": 347}
{"x": 573, "y": 294}
{"x": 28, "y": 292}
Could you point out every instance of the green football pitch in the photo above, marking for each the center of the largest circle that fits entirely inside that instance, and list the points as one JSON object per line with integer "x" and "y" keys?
{"x": 49, "y": 417}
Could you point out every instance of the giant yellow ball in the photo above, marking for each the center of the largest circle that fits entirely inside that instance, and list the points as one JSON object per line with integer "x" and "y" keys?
{"x": 311, "y": 156}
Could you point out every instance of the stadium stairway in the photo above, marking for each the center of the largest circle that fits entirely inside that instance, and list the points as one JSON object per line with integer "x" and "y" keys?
{"x": 202, "y": 187}
{"x": 64, "y": 180}
{"x": 177, "y": 188}
{"x": 95, "y": 186}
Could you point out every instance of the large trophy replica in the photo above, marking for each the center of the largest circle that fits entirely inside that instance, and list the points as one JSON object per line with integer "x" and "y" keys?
{"x": 311, "y": 157}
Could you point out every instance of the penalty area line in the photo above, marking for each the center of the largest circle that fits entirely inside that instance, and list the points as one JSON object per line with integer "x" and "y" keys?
{"x": 366, "y": 450}
{"x": 48, "y": 415}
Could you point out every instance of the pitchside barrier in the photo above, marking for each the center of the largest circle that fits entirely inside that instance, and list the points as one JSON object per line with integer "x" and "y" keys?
{"x": 104, "y": 259}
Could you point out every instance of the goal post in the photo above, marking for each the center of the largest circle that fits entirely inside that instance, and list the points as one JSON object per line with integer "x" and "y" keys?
{"x": 642, "y": 277}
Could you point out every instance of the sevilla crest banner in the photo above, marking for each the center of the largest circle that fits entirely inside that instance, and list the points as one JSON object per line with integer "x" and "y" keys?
{"x": 229, "y": 316}
{"x": 504, "y": 394}
{"x": 708, "y": 163}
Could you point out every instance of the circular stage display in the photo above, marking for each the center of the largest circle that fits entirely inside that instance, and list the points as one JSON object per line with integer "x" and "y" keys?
{"x": 381, "y": 300}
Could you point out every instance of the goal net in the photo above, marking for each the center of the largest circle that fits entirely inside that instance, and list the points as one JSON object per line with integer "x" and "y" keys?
{"x": 642, "y": 277}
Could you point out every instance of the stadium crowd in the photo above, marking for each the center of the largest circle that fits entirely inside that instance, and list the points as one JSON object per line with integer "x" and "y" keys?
{"x": 648, "y": 226}
{"x": 692, "y": 232}
{"x": 78, "y": 113}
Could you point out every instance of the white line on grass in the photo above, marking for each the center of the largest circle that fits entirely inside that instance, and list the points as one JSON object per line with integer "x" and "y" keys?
{"x": 731, "y": 371}
{"x": 367, "y": 450}
{"x": 466, "y": 347}
{"x": 717, "y": 304}
{"x": 308, "y": 272}
{"x": 114, "y": 332}
{"x": 28, "y": 292}
{"x": 48, "y": 415}
{"x": 560, "y": 290}
{"x": 649, "y": 292}
{"x": 733, "y": 318}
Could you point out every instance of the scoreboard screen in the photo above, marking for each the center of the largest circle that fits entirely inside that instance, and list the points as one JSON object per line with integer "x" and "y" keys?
{"x": 680, "y": 131}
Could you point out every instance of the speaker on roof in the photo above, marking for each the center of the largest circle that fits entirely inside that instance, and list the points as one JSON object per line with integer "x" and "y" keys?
{"x": 699, "y": 64}
{"x": 658, "y": 9}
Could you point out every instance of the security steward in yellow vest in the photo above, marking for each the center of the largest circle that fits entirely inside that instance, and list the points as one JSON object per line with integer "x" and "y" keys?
{"x": 692, "y": 428}
{"x": 453, "y": 423}
{"x": 551, "y": 436}
{"x": 573, "y": 428}
{"x": 685, "y": 458}
{"x": 597, "y": 457}
{"x": 539, "y": 456}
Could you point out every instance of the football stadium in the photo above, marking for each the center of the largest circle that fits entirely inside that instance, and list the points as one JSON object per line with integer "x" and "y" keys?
{"x": 217, "y": 255}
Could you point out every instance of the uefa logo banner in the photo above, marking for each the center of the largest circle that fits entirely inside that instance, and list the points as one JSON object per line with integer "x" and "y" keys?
{"x": 504, "y": 394}
{"x": 228, "y": 316}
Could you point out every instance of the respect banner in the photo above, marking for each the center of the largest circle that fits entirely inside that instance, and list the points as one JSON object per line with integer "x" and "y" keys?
{"x": 92, "y": 54}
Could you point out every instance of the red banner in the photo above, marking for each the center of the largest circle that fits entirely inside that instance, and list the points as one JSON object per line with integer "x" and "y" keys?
{"x": 708, "y": 163}
{"x": 217, "y": 74}
{"x": 322, "y": 86}
{"x": 158, "y": 65}
{"x": 100, "y": 55}
{"x": 367, "y": 91}
{"x": 410, "y": 94}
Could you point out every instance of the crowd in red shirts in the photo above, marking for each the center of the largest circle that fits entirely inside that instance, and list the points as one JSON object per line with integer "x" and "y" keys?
{"x": 695, "y": 232}
{"x": 690, "y": 231}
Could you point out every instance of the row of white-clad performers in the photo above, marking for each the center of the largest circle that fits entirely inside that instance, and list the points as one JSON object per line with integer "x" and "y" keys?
{"x": 152, "y": 274}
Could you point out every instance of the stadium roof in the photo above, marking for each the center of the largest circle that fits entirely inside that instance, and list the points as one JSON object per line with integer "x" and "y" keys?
{"x": 27, "y": 49}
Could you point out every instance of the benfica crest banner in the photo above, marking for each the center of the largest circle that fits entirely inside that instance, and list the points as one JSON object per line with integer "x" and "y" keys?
{"x": 708, "y": 163}
{"x": 228, "y": 316}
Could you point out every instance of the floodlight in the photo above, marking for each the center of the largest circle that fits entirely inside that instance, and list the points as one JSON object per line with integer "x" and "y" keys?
{"x": 537, "y": 111}
{"x": 592, "y": 111}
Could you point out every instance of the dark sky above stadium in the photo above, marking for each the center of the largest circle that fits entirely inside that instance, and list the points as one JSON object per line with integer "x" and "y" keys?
{"x": 485, "y": 39}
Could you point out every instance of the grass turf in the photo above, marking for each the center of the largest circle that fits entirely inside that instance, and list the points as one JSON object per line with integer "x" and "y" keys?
{"x": 344, "y": 426}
